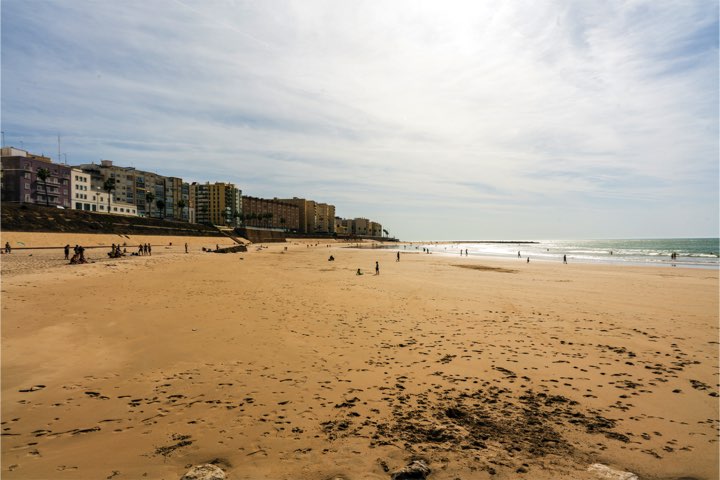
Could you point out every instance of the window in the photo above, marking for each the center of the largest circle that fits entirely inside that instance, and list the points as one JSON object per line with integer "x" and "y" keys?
{"x": 78, "y": 206}
{"x": 27, "y": 186}
{"x": 93, "y": 208}
{"x": 28, "y": 175}
{"x": 87, "y": 207}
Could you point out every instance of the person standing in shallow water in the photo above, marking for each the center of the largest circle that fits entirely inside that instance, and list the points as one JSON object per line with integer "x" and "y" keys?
{"x": 377, "y": 268}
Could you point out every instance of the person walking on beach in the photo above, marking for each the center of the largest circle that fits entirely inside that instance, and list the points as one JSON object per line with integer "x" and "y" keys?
{"x": 186, "y": 251}
{"x": 67, "y": 252}
{"x": 398, "y": 257}
{"x": 564, "y": 258}
{"x": 8, "y": 248}
{"x": 528, "y": 260}
{"x": 518, "y": 253}
{"x": 377, "y": 268}
{"x": 149, "y": 249}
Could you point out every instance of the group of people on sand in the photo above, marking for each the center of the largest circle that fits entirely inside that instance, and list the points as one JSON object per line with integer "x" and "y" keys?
{"x": 78, "y": 255}
{"x": 116, "y": 251}
{"x": 144, "y": 249}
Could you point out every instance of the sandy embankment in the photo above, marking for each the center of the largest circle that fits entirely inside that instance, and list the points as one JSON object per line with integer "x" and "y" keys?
{"x": 280, "y": 364}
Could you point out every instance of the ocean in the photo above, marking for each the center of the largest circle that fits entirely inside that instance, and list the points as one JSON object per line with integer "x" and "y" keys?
{"x": 691, "y": 252}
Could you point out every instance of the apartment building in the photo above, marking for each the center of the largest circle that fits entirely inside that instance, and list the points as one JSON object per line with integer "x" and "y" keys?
{"x": 275, "y": 213}
{"x": 360, "y": 227}
{"x": 134, "y": 186}
{"x": 314, "y": 217}
{"x": 94, "y": 199}
{"x": 216, "y": 203}
{"x": 22, "y": 184}
{"x": 324, "y": 218}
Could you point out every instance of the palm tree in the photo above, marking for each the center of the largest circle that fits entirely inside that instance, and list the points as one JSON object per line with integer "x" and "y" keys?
{"x": 181, "y": 205}
{"x": 109, "y": 186}
{"x": 161, "y": 206}
{"x": 149, "y": 197}
{"x": 42, "y": 175}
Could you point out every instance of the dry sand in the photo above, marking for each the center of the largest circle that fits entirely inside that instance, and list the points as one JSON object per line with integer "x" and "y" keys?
{"x": 279, "y": 364}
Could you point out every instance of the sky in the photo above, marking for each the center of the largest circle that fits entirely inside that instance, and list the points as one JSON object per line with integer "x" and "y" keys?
{"x": 442, "y": 120}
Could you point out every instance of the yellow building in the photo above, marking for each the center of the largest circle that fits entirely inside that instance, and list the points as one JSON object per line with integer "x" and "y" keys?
{"x": 217, "y": 203}
{"x": 314, "y": 217}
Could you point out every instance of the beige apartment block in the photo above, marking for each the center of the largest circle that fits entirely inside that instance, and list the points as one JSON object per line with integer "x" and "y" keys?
{"x": 133, "y": 186}
{"x": 314, "y": 217}
{"x": 275, "y": 213}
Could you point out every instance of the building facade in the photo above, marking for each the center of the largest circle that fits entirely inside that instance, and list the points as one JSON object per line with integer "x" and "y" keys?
{"x": 216, "y": 203}
{"x": 359, "y": 226}
{"x": 22, "y": 182}
{"x": 153, "y": 195}
{"x": 314, "y": 217}
{"x": 275, "y": 213}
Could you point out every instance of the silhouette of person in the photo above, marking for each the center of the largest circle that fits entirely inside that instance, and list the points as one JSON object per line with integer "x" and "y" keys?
{"x": 377, "y": 268}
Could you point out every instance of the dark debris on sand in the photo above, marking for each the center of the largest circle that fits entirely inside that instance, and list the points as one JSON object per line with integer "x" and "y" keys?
{"x": 495, "y": 421}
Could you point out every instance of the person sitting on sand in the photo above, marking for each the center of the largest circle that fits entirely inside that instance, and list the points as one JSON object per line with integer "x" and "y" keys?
{"x": 359, "y": 272}
{"x": 331, "y": 259}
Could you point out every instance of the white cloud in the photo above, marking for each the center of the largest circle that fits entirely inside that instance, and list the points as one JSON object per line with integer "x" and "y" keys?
{"x": 381, "y": 106}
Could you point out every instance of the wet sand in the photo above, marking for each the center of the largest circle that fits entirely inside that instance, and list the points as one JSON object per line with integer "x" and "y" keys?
{"x": 280, "y": 364}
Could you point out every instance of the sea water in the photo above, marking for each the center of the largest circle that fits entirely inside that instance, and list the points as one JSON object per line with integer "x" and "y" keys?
{"x": 690, "y": 252}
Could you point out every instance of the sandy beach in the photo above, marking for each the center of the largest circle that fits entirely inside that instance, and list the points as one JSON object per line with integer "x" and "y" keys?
{"x": 276, "y": 363}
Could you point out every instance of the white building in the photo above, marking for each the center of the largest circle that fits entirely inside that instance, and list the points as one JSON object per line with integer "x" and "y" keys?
{"x": 91, "y": 198}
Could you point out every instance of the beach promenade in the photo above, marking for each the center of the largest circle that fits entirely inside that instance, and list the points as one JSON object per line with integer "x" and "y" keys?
{"x": 276, "y": 363}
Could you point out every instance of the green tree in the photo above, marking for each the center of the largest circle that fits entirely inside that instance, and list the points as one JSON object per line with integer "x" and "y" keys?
{"x": 160, "y": 203}
{"x": 181, "y": 205}
{"x": 109, "y": 186}
{"x": 149, "y": 197}
{"x": 43, "y": 174}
